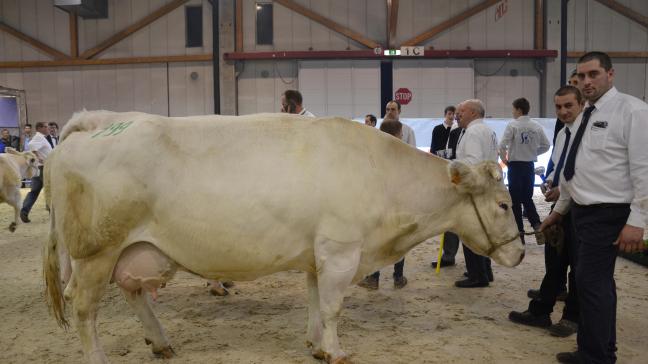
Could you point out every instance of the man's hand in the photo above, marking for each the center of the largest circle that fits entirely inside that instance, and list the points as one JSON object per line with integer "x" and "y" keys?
{"x": 552, "y": 194}
{"x": 631, "y": 239}
{"x": 552, "y": 219}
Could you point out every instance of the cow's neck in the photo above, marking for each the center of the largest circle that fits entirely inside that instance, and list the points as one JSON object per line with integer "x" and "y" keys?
{"x": 427, "y": 203}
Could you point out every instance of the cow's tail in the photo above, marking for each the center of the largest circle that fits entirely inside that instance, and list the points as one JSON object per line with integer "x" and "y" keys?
{"x": 51, "y": 271}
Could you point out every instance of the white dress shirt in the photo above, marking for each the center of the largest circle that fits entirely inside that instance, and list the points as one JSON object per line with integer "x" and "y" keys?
{"x": 524, "y": 139}
{"x": 305, "y": 112}
{"x": 560, "y": 144}
{"x": 612, "y": 160}
{"x": 408, "y": 135}
{"x": 40, "y": 144}
{"x": 477, "y": 143}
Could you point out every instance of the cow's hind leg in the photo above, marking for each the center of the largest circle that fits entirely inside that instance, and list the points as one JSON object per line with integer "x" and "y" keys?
{"x": 337, "y": 263}
{"x": 153, "y": 332}
{"x": 314, "y": 331}
{"x": 90, "y": 278}
{"x": 13, "y": 199}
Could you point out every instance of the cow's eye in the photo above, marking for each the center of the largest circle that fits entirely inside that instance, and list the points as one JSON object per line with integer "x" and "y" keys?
{"x": 503, "y": 206}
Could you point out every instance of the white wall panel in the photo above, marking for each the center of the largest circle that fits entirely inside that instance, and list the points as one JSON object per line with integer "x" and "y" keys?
{"x": 348, "y": 89}
{"x": 434, "y": 84}
{"x": 499, "y": 82}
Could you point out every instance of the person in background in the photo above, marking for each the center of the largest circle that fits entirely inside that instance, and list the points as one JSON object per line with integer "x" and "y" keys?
{"x": 370, "y": 120}
{"x": 291, "y": 102}
{"x": 9, "y": 140}
{"x": 392, "y": 113}
{"x": 523, "y": 141}
{"x": 26, "y": 136}
{"x": 52, "y": 136}
{"x": 371, "y": 282}
{"x": 477, "y": 143}
{"x": 444, "y": 145}
{"x": 42, "y": 148}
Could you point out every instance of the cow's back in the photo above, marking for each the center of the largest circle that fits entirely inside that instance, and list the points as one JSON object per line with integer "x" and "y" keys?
{"x": 266, "y": 182}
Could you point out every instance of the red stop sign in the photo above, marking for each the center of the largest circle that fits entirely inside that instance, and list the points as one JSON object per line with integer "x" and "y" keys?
{"x": 403, "y": 96}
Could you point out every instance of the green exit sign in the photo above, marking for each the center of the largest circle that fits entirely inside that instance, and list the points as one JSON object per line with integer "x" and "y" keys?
{"x": 392, "y": 52}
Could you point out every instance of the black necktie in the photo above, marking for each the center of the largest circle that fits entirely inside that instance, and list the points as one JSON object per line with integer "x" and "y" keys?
{"x": 460, "y": 137}
{"x": 570, "y": 164}
{"x": 561, "y": 160}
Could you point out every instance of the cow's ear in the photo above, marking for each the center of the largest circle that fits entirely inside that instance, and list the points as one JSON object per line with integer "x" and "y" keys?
{"x": 462, "y": 175}
{"x": 493, "y": 170}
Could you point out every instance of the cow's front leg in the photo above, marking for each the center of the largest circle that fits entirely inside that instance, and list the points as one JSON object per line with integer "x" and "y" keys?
{"x": 337, "y": 263}
{"x": 13, "y": 199}
{"x": 314, "y": 331}
{"x": 153, "y": 332}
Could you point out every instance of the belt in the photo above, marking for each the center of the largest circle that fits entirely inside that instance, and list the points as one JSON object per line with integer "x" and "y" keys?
{"x": 603, "y": 206}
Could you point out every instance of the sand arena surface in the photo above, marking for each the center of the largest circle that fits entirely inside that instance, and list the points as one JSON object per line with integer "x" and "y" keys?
{"x": 429, "y": 321}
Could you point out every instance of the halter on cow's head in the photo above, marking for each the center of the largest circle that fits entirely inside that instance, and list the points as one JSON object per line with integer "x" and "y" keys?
{"x": 487, "y": 224}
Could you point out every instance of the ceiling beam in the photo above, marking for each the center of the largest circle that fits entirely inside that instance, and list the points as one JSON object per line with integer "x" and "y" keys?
{"x": 74, "y": 35}
{"x": 119, "y": 36}
{"x": 450, "y": 23}
{"x": 336, "y": 27}
{"x": 392, "y": 22}
{"x": 625, "y": 11}
{"x": 108, "y": 61}
{"x": 33, "y": 42}
{"x": 639, "y": 54}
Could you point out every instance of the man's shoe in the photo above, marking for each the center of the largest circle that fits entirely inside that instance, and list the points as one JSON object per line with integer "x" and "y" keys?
{"x": 369, "y": 283}
{"x": 488, "y": 274}
{"x": 469, "y": 283}
{"x": 533, "y": 294}
{"x": 529, "y": 319}
{"x": 563, "y": 328}
{"x": 570, "y": 357}
{"x": 400, "y": 282}
{"x": 24, "y": 217}
{"x": 444, "y": 263}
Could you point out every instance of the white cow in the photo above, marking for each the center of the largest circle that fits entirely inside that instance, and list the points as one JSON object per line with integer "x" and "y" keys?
{"x": 134, "y": 197}
{"x": 14, "y": 167}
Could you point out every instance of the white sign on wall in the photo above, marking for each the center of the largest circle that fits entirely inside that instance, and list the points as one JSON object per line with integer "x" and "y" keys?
{"x": 412, "y": 51}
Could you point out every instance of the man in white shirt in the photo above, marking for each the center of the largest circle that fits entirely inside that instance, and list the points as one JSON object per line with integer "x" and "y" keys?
{"x": 291, "y": 102}
{"x": 42, "y": 148}
{"x": 604, "y": 183}
{"x": 477, "y": 143}
{"x": 392, "y": 113}
{"x": 569, "y": 103}
{"x": 523, "y": 141}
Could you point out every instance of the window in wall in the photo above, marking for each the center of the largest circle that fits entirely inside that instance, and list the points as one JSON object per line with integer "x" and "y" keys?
{"x": 194, "y": 27}
{"x": 264, "y": 23}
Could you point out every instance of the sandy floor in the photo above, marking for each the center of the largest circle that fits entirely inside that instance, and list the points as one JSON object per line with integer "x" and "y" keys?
{"x": 429, "y": 321}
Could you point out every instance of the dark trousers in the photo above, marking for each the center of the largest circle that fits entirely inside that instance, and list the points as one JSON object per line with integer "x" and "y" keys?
{"x": 557, "y": 260}
{"x": 32, "y": 196}
{"x": 450, "y": 246}
{"x": 398, "y": 270}
{"x": 596, "y": 228}
{"x": 521, "y": 178}
{"x": 478, "y": 267}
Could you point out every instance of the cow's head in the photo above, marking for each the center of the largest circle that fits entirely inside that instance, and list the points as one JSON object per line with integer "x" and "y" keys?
{"x": 31, "y": 162}
{"x": 486, "y": 222}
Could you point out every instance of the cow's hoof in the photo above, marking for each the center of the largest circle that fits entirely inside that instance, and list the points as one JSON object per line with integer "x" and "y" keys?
{"x": 147, "y": 341}
{"x": 228, "y": 284}
{"x": 12, "y": 227}
{"x": 165, "y": 353}
{"x": 321, "y": 355}
{"x": 218, "y": 291}
{"x": 341, "y": 360}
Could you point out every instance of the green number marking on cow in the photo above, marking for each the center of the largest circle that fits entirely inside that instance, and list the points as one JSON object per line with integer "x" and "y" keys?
{"x": 113, "y": 129}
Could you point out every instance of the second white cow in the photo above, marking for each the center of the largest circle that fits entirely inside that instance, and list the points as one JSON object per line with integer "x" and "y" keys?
{"x": 14, "y": 167}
